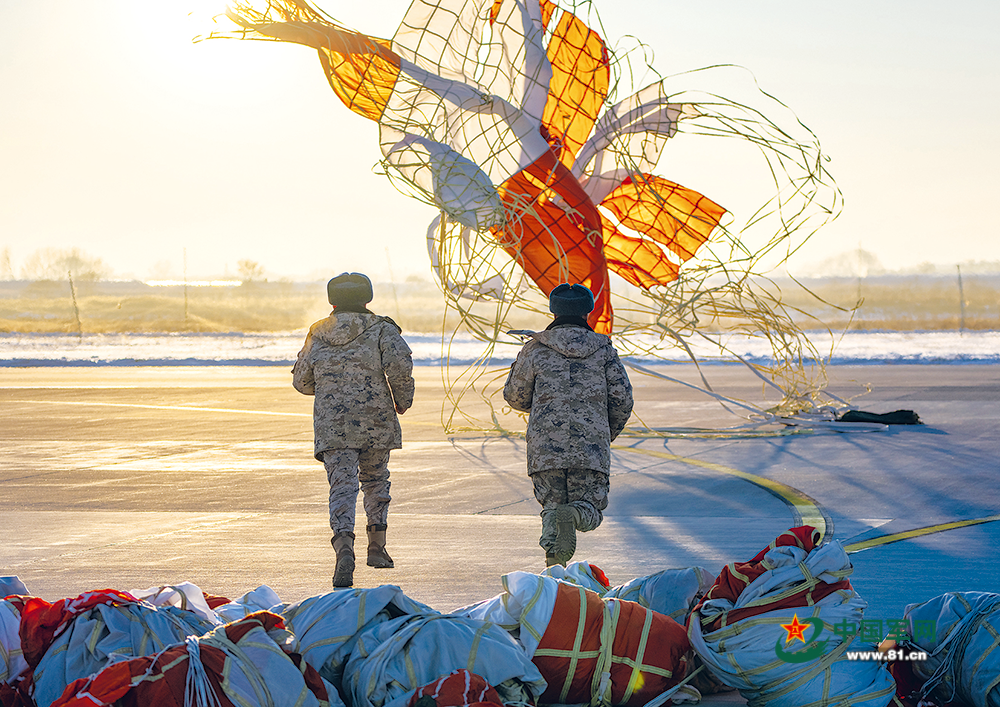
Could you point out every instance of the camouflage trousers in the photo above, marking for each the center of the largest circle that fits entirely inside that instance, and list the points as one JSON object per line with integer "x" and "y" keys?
{"x": 584, "y": 489}
{"x": 344, "y": 469}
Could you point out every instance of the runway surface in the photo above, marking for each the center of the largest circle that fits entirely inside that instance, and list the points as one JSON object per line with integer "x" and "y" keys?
{"x": 135, "y": 477}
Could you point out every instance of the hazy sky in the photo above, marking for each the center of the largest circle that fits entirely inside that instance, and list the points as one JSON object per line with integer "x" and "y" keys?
{"x": 120, "y": 136}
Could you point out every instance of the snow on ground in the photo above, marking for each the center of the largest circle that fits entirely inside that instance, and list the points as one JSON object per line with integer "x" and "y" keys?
{"x": 853, "y": 348}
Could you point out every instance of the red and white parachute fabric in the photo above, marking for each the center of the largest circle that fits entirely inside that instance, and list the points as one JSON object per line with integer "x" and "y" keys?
{"x": 240, "y": 664}
{"x": 739, "y": 630}
{"x": 76, "y": 637}
{"x": 583, "y": 574}
{"x": 459, "y": 689}
{"x": 495, "y": 112}
{"x": 590, "y": 650}
{"x": 538, "y": 144}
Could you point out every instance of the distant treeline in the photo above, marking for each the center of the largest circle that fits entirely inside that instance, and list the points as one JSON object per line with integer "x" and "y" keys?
{"x": 889, "y": 302}
{"x": 900, "y": 302}
{"x": 122, "y": 307}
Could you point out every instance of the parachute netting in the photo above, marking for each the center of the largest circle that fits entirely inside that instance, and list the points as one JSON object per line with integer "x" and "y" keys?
{"x": 538, "y": 144}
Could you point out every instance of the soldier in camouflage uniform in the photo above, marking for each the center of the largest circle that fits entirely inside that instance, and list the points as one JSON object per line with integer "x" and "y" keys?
{"x": 570, "y": 380}
{"x": 359, "y": 368}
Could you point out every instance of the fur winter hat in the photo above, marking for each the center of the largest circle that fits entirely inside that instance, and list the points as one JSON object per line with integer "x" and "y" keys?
{"x": 571, "y": 301}
{"x": 349, "y": 288}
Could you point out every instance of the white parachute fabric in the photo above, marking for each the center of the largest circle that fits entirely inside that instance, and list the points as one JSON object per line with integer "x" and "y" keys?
{"x": 627, "y": 139}
{"x": 263, "y": 598}
{"x": 963, "y": 663}
{"x": 505, "y": 56}
{"x": 459, "y": 187}
{"x": 107, "y": 633}
{"x": 466, "y": 275}
{"x": 525, "y": 606}
{"x": 743, "y": 653}
{"x": 479, "y": 96}
{"x": 12, "y": 585}
{"x": 327, "y": 626}
{"x": 183, "y": 595}
{"x": 672, "y": 592}
{"x": 258, "y": 670}
{"x": 582, "y": 574}
{"x": 12, "y": 661}
{"x": 392, "y": 660}
{"x": 188, "y": 596}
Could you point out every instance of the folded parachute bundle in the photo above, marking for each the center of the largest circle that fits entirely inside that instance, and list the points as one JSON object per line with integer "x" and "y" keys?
{"x": 393, "y": 659}
{"x": 246, "y": 662}
{"x": 744, "y": 626}
{"x": 672, "y": 592}
{"x": 675, "y": 593}
{"x": 327, "y": 626}
{"x": 590, "y": 650}
{"x": 77, "y": 637}
{"x": 963, "y": 662}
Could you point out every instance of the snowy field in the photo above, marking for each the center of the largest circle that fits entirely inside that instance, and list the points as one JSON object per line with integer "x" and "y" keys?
{"x": 855, "y": 348}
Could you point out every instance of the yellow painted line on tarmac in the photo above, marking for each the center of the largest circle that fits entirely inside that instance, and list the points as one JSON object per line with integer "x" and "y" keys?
{"x": 916, "y": 533}
{"x": 805, "y": 510}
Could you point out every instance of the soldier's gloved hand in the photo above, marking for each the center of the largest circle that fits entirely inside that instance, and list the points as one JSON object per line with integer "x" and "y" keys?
{"x": 400, "y": 410}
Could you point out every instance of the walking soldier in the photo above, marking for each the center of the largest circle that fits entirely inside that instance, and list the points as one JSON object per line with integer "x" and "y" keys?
{"x": 359, "y": 369}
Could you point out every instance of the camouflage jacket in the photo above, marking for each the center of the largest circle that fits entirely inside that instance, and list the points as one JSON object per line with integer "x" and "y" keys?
{"x": 359, "y": 368}
{"x": 578, "y": 395}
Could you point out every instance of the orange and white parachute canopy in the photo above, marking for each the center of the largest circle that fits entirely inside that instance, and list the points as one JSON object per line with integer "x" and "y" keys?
{"x": 538, "y": 146}
{"x": 497, "y": 113}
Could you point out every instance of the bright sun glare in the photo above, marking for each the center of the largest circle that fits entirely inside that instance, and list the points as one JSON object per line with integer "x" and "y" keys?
{"x": 168, "y": 33}
{"x": 173, "y": 26}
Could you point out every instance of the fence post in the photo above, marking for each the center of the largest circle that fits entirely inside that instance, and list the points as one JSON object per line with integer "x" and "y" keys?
{"x": 185, "y": 288}
{"x": 76, "y": 307}
{"x": 961, "y": 301}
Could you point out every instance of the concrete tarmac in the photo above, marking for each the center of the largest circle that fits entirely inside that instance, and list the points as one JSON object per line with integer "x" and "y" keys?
{"x": 137, "y": 477}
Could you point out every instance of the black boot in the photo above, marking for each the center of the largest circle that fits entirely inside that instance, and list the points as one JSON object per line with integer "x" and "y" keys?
{"x": 377, "y": 556}
{"x": 566, "y": 518}
{"x": 343, "y": 575}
